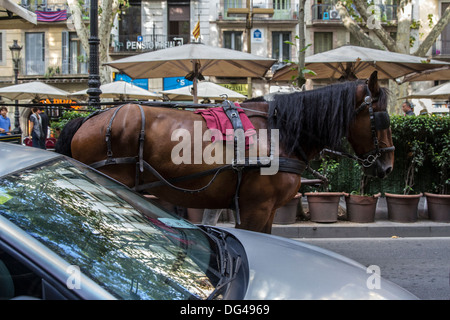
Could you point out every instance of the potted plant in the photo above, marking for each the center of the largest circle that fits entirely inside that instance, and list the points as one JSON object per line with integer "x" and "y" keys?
{"x": 439, "y": 152}
{"x": 361, "y": 206}
{"x": 324, "y": 206}
{"x": 287, "y": 214}
{"x": 409, "y": 136}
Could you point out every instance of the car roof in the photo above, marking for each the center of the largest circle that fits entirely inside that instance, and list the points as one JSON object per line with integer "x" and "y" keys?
{"x": 15, "y": 157}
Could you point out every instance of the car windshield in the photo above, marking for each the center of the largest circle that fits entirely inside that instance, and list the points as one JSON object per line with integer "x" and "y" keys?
{"x": 129, "y": 246}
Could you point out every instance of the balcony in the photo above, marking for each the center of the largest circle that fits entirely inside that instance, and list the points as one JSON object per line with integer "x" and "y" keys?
{"x": 323, "y": 13}
{"x": 56, "y": 5}
{"x": 137, "y": 44}
{"x": 235, "y": 10}
{"x": 54, "y": 67}
{"x": 441, "y": 48}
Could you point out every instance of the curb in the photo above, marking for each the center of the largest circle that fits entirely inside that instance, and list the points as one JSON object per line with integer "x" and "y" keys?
{"x": 382, "y": 227}
{"x": 346, "y": 229}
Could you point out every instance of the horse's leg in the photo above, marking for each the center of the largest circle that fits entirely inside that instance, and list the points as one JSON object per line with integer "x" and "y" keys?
{"x": 211, "y": 216}
{"x": 256, "y": 217}
{"x": 268, "y": 227}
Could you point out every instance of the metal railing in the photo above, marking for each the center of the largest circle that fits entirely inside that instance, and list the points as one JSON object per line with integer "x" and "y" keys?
{"x": 441, "y": 47}
{"x": 327, "y": 12}
{"x": 283, "y": 9}
{"x": 56, "y": 6}
{"x": 53, "y": 67}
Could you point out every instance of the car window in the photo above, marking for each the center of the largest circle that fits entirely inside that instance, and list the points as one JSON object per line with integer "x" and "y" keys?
{"x": 129, "y": 246}
{"x": 17, "y": 280}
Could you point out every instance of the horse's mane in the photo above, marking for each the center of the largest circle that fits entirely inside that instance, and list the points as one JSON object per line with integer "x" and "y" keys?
{"x": 314, "y": 119}
{"x": 65, "y": 138}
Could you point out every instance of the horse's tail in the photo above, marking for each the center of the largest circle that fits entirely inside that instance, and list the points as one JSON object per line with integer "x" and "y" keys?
{"x": 63, "y": 144}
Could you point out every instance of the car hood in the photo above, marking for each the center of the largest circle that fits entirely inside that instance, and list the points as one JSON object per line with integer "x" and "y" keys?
{"x": 281, "y": 268}
{"x": 17, "y": 157}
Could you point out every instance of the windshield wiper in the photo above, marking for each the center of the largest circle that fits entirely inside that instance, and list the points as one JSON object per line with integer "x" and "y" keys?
{"x": 229, "y": 265}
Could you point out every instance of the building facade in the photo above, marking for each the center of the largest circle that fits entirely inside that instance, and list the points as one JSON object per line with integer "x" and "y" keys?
{"x": 53, "y": 53}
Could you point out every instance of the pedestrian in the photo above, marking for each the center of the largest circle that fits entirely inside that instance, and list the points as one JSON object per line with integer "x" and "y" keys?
{"x": 408, "y": 109}
{"x": 36, "y": 129}
{"x": 5, "y": 122}
{"x": 44, "y": 123}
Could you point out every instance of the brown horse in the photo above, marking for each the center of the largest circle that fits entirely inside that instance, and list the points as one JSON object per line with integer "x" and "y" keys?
{"x": 135, "y": 145}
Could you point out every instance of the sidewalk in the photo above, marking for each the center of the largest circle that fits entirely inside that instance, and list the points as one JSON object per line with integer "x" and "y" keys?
{"x": 382, "y": 227}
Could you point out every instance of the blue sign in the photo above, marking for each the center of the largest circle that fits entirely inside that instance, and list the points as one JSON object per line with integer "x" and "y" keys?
{"x": 257, "y": 34}
{"x": 139, "y": 38}
{"x": 142, "y": 83}
{"x": 175, "y": 83}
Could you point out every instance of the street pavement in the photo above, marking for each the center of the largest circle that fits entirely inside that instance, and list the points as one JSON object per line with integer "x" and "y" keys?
{"x": 413, "y": 255}
{"x": 381, "y": 227}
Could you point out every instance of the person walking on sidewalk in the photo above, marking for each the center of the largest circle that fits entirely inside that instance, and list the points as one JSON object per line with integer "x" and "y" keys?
{"x": 36, "y": 129}
{"x": 44, "y": 124}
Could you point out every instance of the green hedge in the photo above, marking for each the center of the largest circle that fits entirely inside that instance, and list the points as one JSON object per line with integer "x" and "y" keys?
{"x": 422, "y": 145}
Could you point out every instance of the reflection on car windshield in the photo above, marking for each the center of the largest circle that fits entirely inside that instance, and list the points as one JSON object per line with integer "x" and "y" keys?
{"x": 132, "y": 248}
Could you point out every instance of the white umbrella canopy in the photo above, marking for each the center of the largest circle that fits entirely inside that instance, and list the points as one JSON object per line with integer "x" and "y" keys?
{"x": 13, "y": 16}
{"x": 347, "y": 61}
{"x": 32, "y": 90}
{"x": 205, "y": 89}
{"x": 183, "y": 61}
{"x": 441, "y": 91}
{"x": 193, "y": 61}
{"x": 121, "y": 90}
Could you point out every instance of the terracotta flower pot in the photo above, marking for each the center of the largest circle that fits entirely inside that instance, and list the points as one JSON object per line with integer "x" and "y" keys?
{"x": 438, "y": 207}
{"x": 287, "y": 214}
{"x": 323, "y": 206}
{"x": 361, "y": 208}
{"x": 401, "y": 207}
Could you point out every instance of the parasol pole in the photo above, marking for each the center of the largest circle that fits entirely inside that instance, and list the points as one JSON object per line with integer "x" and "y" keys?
{"x": 194, "y": 84}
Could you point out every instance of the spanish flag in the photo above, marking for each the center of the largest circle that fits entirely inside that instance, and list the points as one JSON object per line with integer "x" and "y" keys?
{"x": 196, "y": 31}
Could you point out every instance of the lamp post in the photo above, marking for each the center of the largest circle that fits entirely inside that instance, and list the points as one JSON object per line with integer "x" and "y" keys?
{"x": 94, "y": 76}
{"x": 15, "y": 53}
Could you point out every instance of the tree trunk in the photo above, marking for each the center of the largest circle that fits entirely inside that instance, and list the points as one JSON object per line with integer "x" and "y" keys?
{"x": 80, "y": 27}
{"x": 106, "y": 18}
{"x": 434, "y": 34}
{"x": 374, "y": 24}
{"x": 354, "y": 28}
{"x": 302, "y": 44}
{"x": 404, "y": 15}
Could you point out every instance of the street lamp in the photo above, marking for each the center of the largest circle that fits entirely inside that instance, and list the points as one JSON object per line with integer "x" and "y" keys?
{"x": 94, "y": 91}
{"x": 15, "y": 53}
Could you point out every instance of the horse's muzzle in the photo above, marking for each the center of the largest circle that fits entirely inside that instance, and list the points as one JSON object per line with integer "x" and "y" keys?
{"x": 379, "y": 169}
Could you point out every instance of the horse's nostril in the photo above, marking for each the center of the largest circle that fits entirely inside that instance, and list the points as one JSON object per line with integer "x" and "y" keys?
{"x": 388, "y": 170}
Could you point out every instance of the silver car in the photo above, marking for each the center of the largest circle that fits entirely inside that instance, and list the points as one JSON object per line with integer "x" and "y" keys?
{"x": 70, "y": 232}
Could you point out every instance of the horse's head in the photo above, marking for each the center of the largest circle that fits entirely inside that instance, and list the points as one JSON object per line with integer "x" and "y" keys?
{"x": 370, "y": 133}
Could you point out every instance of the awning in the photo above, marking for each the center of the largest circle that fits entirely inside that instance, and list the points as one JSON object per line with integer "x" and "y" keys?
{"x": 13, "y": 16}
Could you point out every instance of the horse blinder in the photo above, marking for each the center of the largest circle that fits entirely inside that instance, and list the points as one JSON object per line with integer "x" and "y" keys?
{"x": 382, "y": 120}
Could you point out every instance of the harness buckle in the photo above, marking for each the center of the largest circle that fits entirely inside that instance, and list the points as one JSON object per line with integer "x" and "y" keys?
{"x": 368, "y": 100}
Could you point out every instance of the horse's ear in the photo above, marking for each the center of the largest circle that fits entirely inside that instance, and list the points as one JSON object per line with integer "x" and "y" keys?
{"x": 373, "y": 83}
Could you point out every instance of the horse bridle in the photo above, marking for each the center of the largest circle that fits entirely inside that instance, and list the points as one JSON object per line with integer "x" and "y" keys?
{"x": 379, "y": 120}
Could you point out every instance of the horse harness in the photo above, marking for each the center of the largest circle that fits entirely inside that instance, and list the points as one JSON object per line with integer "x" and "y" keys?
{"x": 288, "y": 165}
{"x": 379, "y": 120}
